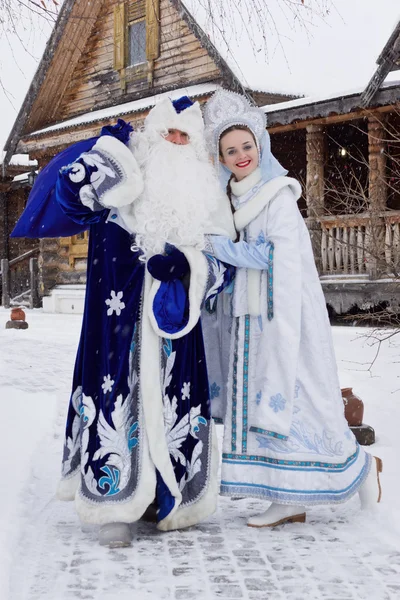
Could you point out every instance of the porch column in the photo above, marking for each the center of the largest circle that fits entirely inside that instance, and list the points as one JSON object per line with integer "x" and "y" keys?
{"x": 375, "y": 234}
{"x": 377, "y": 163}
{"x": 315, "y": 143}
{"x": 3, "y": 223}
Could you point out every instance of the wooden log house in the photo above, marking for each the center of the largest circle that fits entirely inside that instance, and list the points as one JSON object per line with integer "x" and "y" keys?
{"x": 112, "y": 58}
{"x": 107, "y": 59}
{"x": 346, "y": 152}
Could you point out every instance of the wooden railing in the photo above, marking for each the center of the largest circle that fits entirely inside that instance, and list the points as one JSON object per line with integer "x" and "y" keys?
{"x": 20, "y": 281}
{"x": 363, "y": 244}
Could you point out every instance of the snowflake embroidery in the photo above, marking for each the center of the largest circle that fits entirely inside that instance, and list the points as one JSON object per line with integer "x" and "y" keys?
{"x": 214, "y": 391}
{"x": 296, "y": 390}
{"x": 258, "y": 397}
{"x": 108, "y": 383}
{"x": 277, "y": 402}
{"x": 185, "y": 391}
{"x": 115, "y": 303}
{"x": 261, "y": 239}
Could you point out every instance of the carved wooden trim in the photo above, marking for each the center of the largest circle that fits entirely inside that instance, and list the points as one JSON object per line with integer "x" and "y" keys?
{"x": 120, "y": 41}
{"x": 152, "y": 29}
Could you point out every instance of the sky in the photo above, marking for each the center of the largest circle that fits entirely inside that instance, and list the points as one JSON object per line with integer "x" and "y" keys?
{"x": 329, "y": 55}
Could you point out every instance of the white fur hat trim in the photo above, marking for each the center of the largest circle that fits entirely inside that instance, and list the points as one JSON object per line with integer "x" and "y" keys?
{"x": 164, "y": 116}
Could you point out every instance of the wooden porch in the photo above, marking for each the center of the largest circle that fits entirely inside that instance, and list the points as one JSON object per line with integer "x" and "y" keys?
{"x": 349, "y": 166}
{"x": 362, "y": 245}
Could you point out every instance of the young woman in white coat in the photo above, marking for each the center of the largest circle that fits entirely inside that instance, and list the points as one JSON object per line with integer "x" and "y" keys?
{"x": 286, "y": 439}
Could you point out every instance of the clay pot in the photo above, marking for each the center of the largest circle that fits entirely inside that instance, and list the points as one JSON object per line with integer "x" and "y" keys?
{"x": 353, "y": 407}
{"x": 17, "y": 314}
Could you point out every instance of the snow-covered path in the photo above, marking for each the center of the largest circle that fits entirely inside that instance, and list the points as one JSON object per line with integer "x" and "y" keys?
{"x": 339, "y": 554}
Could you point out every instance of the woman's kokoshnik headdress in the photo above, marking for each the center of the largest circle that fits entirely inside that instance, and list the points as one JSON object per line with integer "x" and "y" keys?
{"x": 226, "y": 109}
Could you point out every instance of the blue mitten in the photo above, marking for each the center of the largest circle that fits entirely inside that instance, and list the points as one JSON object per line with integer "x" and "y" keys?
{"x": 121, "y": 130}
{"x": 168, "y": 267}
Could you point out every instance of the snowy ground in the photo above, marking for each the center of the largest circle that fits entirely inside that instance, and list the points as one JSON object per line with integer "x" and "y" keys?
{"x": 339, "y": 554}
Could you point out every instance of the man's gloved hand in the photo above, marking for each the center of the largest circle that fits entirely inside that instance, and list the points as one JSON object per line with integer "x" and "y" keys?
{"x": 173, "y": 265}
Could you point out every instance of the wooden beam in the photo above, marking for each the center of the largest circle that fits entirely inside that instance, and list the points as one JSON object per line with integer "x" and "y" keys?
{"x": 333, "y": 119}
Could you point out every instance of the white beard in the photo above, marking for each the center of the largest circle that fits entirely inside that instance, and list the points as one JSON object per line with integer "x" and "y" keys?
{"x": 180, "y": 194}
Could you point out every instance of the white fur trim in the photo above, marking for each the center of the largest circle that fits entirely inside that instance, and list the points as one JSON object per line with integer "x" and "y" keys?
{"x": 222, "y": 219}
{"x": 68, "y": 486}
{"x": 239, "y": 188}
{"x": 253, "y": 292}
{"x": 132, "y": 185}
{"x": 197, "y": 288}
{"x": 186, "y": 516}
{"x": 243, "y": 216}
{"x": 150, "y": 381}
{"x": 164, "y": 116}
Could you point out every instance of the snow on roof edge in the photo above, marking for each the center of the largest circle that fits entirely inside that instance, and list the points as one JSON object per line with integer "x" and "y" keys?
{"x": 129, "y": 107}
{"x": 19, "y": 160}
{"x": 268, "y": 108}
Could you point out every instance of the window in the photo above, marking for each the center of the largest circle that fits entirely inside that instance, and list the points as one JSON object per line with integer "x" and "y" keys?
{"x": 136, "y": 38}
{"x": 137, "y": 43}
{"x": 77, "y": 247}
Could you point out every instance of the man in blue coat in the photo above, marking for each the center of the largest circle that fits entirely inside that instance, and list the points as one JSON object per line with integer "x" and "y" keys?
{"x": 139, "y": 427}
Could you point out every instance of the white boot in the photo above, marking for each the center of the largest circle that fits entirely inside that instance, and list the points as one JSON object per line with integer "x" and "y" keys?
{"x": 115, "y": 535}
{"x": 277, "y": 514}
{"x": 371, "y": 492}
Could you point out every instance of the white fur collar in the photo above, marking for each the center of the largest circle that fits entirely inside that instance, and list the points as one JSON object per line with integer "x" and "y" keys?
{"x": 242, "y": 187}
{"x": 253, "y": 207}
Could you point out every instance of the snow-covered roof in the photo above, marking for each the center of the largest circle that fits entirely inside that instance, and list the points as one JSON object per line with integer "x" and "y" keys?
{"x": 193, "y": 92}
{"x": 23, "y": 177}
{"x": 19, "y": 160}
{"x": 284, "y": 113}
{"x": 323, "y": 98}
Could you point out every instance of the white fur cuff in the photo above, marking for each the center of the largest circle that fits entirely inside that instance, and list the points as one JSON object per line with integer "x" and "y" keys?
{"x": 128, "y": 186}
{"x": 198, "y": 282}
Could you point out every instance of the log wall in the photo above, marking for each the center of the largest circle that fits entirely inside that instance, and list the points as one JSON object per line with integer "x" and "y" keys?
{"x": 95, "y": 82}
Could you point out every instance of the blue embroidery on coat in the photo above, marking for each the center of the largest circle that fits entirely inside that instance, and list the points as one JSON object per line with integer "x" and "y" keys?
{"x": 167, "y": 347}
{"x": 303, "y": 440}
{"x": 111, "y": 480}
{"x": 290, "y": 463}
{"x": 245, "y": 380}
{"x": 132, "y": 441}
{"x": 234, "y": 387}
{"x": 260, "y": 239}
{"x": 315, "y": 496}
{"x": 277, "y": 402}
{"x": 258, "y": 397}
{"x": 214, "y": 391}
{"x": 270, "y": 283}
{"x": 268, "y": 432}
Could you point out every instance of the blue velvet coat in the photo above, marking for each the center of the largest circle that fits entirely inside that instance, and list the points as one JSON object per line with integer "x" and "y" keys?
{"x": 139, "y": 426}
